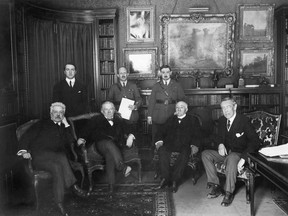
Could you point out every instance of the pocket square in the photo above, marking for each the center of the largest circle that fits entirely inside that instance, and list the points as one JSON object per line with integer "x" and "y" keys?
{"x": 79, "y": 92}
{"x": 239, "y": 134}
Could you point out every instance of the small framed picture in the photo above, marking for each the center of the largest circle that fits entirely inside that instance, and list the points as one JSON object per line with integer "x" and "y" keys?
{"x": 140, "y": 24}
{"x": 140, "y": 62}
{"x": 256, "y": 22}
{"x": 257, "y": 62}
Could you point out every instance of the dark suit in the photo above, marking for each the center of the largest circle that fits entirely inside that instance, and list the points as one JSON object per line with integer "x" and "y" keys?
{"x": 109, "y": 141}
{"x": 75, "y": 98}
{"x": 177, "y": 137}
{"x": 238, "y": 141}
{"x": 162, "y": 103}
{"x": 46, "y": 141}
{"x": 130, "y": 91}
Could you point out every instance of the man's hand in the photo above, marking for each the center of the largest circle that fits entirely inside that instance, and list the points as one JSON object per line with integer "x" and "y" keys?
{"x": 130, "y": 140}
{"x": 65, "y": 122}
{"x": 240, "y": 165}
{"x": 27, "y": 155}
{"x": 194, "y": 149}
{"x": 81, "y": 141}
{"x": 132, "y": 107}
{"x": 158, "y": 144}
{"x": 222, "y": 150}
{"x": 149, "y": 120}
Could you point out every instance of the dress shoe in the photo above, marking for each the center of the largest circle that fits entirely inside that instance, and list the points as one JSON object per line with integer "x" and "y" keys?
{"x": 174, "y": 187}
{"x": 227, "y": 200}
{"x": 62, "y": 209}
{"x": 215, "y": 192}
{"x": 79, "y": 192}
{"x": 163, "y": 184}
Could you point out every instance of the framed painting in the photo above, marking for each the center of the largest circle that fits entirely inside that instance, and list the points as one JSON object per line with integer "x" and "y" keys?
{"x": 256, "y": 22}
{"x": 257, "y": 62}
{"x": 198, "y": 42}
{"x": 140, "y": 62}
{"x": 140, "y": 24}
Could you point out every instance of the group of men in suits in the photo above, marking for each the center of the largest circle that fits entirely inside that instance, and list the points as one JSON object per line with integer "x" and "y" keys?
{"x": 172, "y": 130}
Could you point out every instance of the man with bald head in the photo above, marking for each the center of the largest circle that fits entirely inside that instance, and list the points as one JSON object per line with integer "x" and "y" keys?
{"x": 180, "y": 133}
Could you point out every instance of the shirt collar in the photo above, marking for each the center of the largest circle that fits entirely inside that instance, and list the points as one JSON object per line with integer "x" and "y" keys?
{"x": 181, "y": 116}
{"x": 167, "y": 81}
{"x": 72, "y": 81}
{"x": 232, "y": 119}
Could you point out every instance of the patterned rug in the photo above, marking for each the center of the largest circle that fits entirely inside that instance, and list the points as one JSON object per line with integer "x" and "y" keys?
{"x": 135, "y": 200}
{"x": 282, "y": 204}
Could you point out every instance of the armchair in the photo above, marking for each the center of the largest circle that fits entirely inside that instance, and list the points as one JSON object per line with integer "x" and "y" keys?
{"x": 37, "y": 175}
{"x": 267, "y": 127}
{"x": 90, "y": 158}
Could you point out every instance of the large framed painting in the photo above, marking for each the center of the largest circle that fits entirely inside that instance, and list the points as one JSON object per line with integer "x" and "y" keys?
{"x": 140, "y": 62}
{"x": 257, "y": 62}
{"x": 198, "y": 43}
{"x": 256, "y": 22}
{"x": 140, "y": 24}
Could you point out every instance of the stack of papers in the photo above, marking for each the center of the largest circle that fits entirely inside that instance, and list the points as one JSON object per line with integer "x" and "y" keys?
{"x": 275, "y": 151}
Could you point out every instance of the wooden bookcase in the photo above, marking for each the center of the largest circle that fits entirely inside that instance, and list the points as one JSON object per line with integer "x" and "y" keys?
{"x": 107, "y": 55}
{"x": 248, "y": 99}
{"x": 281, "y": 59}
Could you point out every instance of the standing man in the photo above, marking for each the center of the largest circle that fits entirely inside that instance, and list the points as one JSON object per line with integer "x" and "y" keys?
{"x": 71, "y": 92}
{"x": 180, "y": 133}
{"x": 109, "y": 133}
{"x": 165, "y": 94}
{"x": 126, "y": 89}
{"x": 46, "y": 141}
{"x": 236, "y": 137}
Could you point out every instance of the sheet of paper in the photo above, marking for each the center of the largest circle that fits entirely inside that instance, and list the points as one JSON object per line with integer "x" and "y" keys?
{"x": 275, "y": 150}
{"x": 124, "y": 108}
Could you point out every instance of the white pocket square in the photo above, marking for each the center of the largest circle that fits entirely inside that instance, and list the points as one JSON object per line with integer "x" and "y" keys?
{"x": 79, "y": 91}
{"x": 239, "y": 134}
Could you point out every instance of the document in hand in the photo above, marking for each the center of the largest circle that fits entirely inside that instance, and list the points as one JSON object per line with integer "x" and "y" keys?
{"x": 124, "y": 108}
{"x": 274, "y": 151}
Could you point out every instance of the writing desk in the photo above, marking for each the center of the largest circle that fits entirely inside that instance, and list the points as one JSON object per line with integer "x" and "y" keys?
{"x": 275, "y": 172}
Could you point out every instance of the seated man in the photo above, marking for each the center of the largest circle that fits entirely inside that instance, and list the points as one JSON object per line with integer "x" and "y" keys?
{"x": 236, "y": 137}
{"x": 177, "y": 135}
{"x": 108, "y": 132}
{"x": 46, "y": 141}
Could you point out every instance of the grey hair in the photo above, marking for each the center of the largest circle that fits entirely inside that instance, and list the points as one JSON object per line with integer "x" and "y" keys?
{"x": 107, "y": 102}
{"x": 57, "y": 104}
{"x": 184, "y": 103}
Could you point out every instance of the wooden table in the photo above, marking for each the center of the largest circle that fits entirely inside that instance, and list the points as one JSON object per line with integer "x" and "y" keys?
{"x": 275, "y": 172}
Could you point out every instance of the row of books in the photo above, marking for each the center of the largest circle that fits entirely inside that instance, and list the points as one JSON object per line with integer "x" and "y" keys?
{"x": 106, "y": 29}
{"x": 107, "y": 81}
{"x": 106, "y": 67}
{"x": 106, "y": 55}
{"x": 203, "y": 100}
{"x": 264, "y": 99}
{"x": 106, "y": 43}
{"x": 286, "y": 73}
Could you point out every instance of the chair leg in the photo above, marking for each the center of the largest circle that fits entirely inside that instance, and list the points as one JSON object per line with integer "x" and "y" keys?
{"x": 36, "y": 192}
{"x": 139, "y": 171}
{"x": 90, "y": 181}
{"x": 247, "y": 185}
{"x": 83, "y": 175}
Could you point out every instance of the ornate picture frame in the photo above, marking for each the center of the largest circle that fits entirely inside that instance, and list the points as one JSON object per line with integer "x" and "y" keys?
{"x": 140, "y": 62}
{"x": 256, "y": 22}
{"x": 257, "y": 62}
{"x": 140, "y": 24}
{"x": 198, "y": 43}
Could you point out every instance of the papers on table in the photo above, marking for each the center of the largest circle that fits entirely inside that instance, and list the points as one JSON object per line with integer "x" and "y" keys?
{"x": 274, "y": 151}
{"x": 124, "y": 108}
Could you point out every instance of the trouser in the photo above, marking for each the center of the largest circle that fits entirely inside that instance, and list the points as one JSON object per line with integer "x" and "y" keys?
{"x": 178, "y": 168}
{"x": 210, "y": 157}
{"x": 155, "y": 128}
{"x": 57, "y": 164}
{"x": 113, "y": 158}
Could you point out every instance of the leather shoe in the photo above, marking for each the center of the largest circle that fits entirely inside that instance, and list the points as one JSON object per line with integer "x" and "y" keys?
{"x": 62, "y": 209}
{"x": 215, "y": 192}
{"x": 79, "y": 192}
{"x": 163, "y": 184}
{"x": 227, "y": 200}
{"x": 174, "y": 187}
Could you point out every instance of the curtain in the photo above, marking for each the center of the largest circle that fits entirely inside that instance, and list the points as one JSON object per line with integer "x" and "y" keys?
{"x": 50, "y": 47}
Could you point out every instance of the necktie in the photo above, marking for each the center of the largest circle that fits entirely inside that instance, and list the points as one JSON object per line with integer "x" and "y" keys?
{"x": 71, "y": 84}
{"x": 123, "y": 84}
{"x": 228, "y": 125}
{"x": 165, "y": 83}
